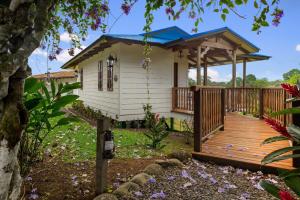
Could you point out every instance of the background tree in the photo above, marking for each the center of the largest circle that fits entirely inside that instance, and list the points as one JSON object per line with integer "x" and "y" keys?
{"x": 28, "y": 24}
{"x": 290, "y": 74}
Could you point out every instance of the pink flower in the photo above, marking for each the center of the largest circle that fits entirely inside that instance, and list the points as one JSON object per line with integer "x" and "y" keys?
{"x": 278, "y": 127}
{"x": 284, "y": 195}
{"x": 292, "y": 89}
{"x": 126, "y": 8}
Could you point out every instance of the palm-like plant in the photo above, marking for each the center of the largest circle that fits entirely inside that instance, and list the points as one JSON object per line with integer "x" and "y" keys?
{"x": 292, "y": 133}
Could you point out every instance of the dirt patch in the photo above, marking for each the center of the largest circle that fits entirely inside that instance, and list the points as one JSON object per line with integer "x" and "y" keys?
{"x": 53, "y": 179}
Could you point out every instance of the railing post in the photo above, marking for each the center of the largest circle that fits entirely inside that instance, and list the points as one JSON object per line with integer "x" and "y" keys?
{"x": 261, "y": 103}
{"x": 223, "y": 108}
{"x": 296, "y": 121}
{"x": 284, "y": 107}
{"x": 197, "y": 119}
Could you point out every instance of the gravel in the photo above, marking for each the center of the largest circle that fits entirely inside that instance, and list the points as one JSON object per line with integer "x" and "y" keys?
{"x": 203, "y": 181}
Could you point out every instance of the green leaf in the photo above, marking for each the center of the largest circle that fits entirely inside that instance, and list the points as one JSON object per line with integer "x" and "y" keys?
{"x": 238, "y": 2}
{"x": 69, "y": 87}
{"x": 255, "y": 4}
{"x": 294, "y": 131}
{"x": 286, "y": 173}
{"x": 295, "y": 110}
{"x": 293, "y": 183}
{"x": 264, "y": 23}
{"x": 216, "y": 10}
{"x": 66, "y": 120}
{"x": 53, "y": 89}
{"x": 271, "y": 157}
{"x": 226, "y": 11}
{"x": 63, "y": 101}
{"x": 285, "y": 157}
{"x": 223, "y": 16}
{"x": 270, "y": 188}
{"x": 32, "y": 103}
{"x": 31, "y": 85}
{"x": 274, "y": 139}
{"x": 46, "y": 92}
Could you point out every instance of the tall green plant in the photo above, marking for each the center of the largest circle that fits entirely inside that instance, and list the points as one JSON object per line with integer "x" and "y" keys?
{"x": 43, "y": 104}
{"x": 157, "y": 129}
{"x": 292, "y": 133}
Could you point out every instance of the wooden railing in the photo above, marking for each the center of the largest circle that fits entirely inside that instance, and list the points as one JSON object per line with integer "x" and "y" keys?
{"x": 182, "y": 100}
{"x": 209, "y": 112}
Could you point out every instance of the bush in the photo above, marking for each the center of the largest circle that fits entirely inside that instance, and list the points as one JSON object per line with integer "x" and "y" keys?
{"x": 86, "y": 111}
{"x": 188, "y": 131}
{"x": 157, "y": 129}
{"x": 42, "y": 105}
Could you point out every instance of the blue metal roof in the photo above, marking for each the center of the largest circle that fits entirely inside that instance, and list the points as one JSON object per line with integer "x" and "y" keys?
{"x": 170, "y": 33}
{"x": 139, "y": 38}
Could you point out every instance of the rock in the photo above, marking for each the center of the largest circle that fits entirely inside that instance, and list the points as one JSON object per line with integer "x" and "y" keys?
{"x": 141, "y": 178}
{"x": 125, "y": 189}
{"x": 169, "y": 163}
{"x": 106, "y": 196}
{"x": 180, "y": 155}
{"x": 154, "y": 169}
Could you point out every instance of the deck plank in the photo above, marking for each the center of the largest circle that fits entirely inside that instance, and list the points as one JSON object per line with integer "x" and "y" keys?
{"x": 240, "y": 144}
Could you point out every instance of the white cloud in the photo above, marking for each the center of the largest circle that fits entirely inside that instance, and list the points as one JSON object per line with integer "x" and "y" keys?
{"x": 66, "y": 37}
{"x": 212, "y": 73}
{"x": 298, "y": 47}
{"x": 39, "y": 52}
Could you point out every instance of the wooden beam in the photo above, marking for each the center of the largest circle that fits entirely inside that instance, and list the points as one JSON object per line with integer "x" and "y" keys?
{"x": 235, "y": 44}
{"x": 234, "y": 68}
{"x": 205, "y": 72}
{"x": 199, "y": 65}
{"x": 217, "y": 45}
{"x": 244, "y": 72}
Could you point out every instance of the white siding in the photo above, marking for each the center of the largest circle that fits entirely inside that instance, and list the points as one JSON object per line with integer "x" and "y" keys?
{"x": 133, "y": 80}
{"x": 107, "y": 101}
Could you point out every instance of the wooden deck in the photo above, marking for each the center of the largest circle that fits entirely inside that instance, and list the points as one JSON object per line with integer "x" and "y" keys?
{"x": 239, "y": 144}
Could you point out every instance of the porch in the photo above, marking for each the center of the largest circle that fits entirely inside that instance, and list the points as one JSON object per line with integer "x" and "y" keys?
{"x": 228, "y": 125}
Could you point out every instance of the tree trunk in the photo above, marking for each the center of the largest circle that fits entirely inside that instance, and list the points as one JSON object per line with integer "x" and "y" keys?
{"x": 22, "y": 26}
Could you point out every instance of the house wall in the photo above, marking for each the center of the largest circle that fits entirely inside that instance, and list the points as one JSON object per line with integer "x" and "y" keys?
{"x": 133, "y": 81}
{"x": 106, "y": 101}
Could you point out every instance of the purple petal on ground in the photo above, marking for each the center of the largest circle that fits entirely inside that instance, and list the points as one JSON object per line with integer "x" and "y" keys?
{"x": 187, "y": 185}
{"x": 229, "y": 146}
{"x": 34, "y": 190}
{"x": 221, "y": 190}
{"x": 239, "y": 171}
{"x": 160, "y": 195}
{"x": 245, "y": 196}
{"x": 171, "y": 178}
{"x": 230, "y": 186}
{"x": 203, "y": 174}
{"x": 184, "y": 174}
{"x": 138, "y": 194}
{"x": 213, "y": 180}
{"x": 33, "y": 196}
{"x": 152, "y": 180}
{"x": 28, "y": 178}
{"x": 257, "y": 186}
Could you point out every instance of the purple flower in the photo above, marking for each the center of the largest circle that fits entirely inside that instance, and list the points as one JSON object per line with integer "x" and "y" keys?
{"x": 58, "y": 50}
{"x": 192, "y": 14}
{"x": 104, "y": 7}
{"x": 171, "y": 178}
{"x": 138, "y": 194}
{"x": 278, "y": 14}
{"x": 126, "y": 8}
{"x": 52, "y": 57}
{"x": 33, "y": 196}
{"x": 152, "y": 180}
{"x": 160, "y": 195}
{"x": 169, "y": 11}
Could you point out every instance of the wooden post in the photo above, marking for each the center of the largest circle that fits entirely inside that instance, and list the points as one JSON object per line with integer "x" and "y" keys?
{"x": 284, "y": 107}
{"x": 261, "y": 103}
{"x": 234, "y": 68}
{"x": 205, "y": 82}
{"x": 172, "y": 123}
{"x": 103, "y": 125}
{"x": 199, "y": 65}
{"x": 244, "y": 72}
{"x": 296, "y": 121}
{"x": 197, "y": 120}
{"x": 223, "y": 108}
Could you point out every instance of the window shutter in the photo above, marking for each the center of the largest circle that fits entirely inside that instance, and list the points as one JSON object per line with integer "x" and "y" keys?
{"x": 100, "y": 75}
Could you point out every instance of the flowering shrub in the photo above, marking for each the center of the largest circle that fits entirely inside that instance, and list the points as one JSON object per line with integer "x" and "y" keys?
{"x": 292, "y": 133}
{"x": 157, "y": 129}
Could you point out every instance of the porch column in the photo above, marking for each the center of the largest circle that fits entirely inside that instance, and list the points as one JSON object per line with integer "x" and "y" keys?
{"x": 244, "y": 72}
{"x": 199, "y": 65}
{"x": 205, "y": 71}
{"x": 234, "y": 68}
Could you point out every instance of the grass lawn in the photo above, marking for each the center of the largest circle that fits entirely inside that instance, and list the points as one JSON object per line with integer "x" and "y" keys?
{"x": 77, "y": 142}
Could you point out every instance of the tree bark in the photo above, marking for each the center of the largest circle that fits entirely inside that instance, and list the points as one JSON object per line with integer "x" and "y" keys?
{"x": 22, "y": 26}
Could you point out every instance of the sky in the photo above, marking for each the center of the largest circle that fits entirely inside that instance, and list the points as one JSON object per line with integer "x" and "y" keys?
{"x": 282, "y": 43}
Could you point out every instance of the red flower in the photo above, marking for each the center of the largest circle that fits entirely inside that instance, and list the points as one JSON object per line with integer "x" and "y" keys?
{"x": 278, "y": 127}
{"x": 284, "y": 195}
{"x": 292, "y": 89}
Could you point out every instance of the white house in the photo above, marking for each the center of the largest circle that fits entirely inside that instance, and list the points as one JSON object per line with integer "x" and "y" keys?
{"x": 114, "y": 80}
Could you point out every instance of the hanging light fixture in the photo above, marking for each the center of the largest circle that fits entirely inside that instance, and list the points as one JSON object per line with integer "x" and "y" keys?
{"x": 180, "y": 54}
{"x": 111, "y": 60}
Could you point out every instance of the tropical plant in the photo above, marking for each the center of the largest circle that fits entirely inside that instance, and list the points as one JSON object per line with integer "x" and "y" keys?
{"x": 157, "y": 128}
{"x": 43, "y": 104}
{"x": 292, "y": 133}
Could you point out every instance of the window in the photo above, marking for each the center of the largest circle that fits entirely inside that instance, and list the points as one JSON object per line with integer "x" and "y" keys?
{"x": 81, "y": 78}
{"x": 110, "y": 75}
{"x": 100, "y": 75}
